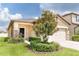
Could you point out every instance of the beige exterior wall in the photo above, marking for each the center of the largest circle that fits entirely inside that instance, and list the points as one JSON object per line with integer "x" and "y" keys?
{"x": 61, "y": 24}
{"x": 28, "y": 28}
{"x": 10, "y": 31}
{"x": 71, "y": 27}
{"x": 68, "y": 18}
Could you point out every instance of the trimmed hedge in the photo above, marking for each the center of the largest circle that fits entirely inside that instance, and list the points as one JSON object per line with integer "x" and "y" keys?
{"x": 44, "y": 47}
{"x": 34, "y": 39}
{"x": 75, "y": 37}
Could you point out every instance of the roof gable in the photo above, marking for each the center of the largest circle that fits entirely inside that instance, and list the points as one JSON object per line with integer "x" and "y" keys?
{"x": 63, "y": 19}
{"x": 70, "y": 14}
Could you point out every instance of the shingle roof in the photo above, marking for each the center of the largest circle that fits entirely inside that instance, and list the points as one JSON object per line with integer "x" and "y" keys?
{"x": 20, "y": 20}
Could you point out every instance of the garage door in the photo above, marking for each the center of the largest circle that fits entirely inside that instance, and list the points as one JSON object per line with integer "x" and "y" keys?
{"x": 60, "y": 35}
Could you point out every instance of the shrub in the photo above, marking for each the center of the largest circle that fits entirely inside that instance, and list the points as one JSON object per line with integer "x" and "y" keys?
{"x": 4, "y": 39}
{"x": 44, "y": 47}
{"x": 75, "y": 37}
{"x": 14, "y": 40}
{"x": 34, "y": 39}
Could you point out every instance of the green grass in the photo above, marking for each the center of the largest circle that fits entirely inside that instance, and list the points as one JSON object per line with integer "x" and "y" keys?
{"x": 19, "y": 49}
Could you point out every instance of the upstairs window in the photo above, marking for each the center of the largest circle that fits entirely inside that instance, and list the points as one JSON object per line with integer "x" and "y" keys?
{"x": 74, "y": 18}
{"x": 77, "y": 18}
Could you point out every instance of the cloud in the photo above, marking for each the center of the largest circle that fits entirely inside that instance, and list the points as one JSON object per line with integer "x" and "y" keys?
{"x": 6, "y": 16}
{"x": 66, "y": 12}
{"x": 16, "y": 16}
{"x": 35, "y": 17}
{"x": 49, "y": 6}
{"x": 60, "y": 8}
{"x": 45, "y": 6}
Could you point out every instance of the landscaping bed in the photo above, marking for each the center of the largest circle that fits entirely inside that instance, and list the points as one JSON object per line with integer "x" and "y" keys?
{"x": 21, "y": 49}
{"x": 75, "y": 37}
{"x": 37, "y": 45}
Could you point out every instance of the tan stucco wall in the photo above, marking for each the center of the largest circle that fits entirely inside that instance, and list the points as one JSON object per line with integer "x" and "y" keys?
{"x": 13, "y": 29}
{"x": 68, "y": 18}
{"x": 27, "y": 26}
{"x": 65, "y": 26}
{"x": 10, "y": 31}
{"x": 61, "y": 22}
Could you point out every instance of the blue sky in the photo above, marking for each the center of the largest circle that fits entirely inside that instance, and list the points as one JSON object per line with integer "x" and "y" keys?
{"x": 10, "y": 11}
{"x": 26, "y": 9}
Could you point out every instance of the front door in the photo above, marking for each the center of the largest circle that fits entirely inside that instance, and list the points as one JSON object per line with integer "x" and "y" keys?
{"x": 21, "y": 32}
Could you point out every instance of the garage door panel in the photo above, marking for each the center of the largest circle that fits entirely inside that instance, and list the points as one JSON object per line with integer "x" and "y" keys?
{"x": 60, "y": 35}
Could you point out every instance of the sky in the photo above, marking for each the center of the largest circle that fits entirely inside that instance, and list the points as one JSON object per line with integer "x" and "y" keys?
{"x": 9, "y": 11}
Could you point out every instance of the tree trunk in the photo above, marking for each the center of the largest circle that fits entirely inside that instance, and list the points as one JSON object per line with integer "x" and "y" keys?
{"x": 41, "y": 38}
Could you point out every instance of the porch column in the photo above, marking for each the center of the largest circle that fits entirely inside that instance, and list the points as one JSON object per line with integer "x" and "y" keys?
{"x": 15, "y": 30}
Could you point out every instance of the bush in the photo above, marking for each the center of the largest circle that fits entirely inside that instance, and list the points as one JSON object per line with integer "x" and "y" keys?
{"x": 4, "y": 39}
{"x": 44, "y": 47}
{"x": 34, "y": 39}
{"x": 14, "y": 40}
{"x": 75, "y": 37}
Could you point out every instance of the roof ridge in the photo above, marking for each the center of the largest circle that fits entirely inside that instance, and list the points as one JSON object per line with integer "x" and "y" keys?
{"x": 70, "y": 13}
{"x": 63, "y": 19}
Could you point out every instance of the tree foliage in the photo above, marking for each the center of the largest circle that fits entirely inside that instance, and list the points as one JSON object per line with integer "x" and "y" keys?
{"x": 45, "y": 25}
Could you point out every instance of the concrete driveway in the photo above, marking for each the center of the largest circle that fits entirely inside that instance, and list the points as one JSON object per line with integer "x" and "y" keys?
{"x": 68, "y": 44}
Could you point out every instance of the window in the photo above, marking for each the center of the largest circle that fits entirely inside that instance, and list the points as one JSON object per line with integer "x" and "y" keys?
{"x": 74, "y": 18}
{"x": 77, "y": 18}
{"x": 76, "y": 30}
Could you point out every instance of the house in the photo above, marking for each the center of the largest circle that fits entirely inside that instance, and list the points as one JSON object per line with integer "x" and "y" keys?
{"x": 3, "y": 34}
{"x": 67, "y": 25}
{"x": 20, "y": 27}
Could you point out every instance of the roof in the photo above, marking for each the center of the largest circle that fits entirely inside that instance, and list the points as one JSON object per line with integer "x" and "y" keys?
{"x": 32, "y": 20}
{"x": 63, "y": 19}
{"x": 24, "y": 20}
{"x": 20, "y": 20}
{"x": 70, "y": 13}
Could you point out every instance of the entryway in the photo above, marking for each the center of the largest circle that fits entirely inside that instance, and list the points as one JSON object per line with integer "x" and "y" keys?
{"x": 22, "y": 32}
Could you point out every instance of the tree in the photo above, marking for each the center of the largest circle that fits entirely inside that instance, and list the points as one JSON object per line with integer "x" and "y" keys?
{"x": 45, "y": 25}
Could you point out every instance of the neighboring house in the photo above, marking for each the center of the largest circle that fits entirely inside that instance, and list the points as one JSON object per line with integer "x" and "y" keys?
{"x": 3, "y": 34}
{"x": 67, "y": 25}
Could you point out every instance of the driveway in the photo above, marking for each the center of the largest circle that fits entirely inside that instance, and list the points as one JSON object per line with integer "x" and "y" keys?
{"x": 68, "y": 44}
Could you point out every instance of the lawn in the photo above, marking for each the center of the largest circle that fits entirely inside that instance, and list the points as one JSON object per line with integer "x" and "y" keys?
{"x": 19, "y": 49}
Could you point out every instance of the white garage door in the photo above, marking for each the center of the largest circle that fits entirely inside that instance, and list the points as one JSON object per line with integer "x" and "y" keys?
{"x": 60, "y": 35}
